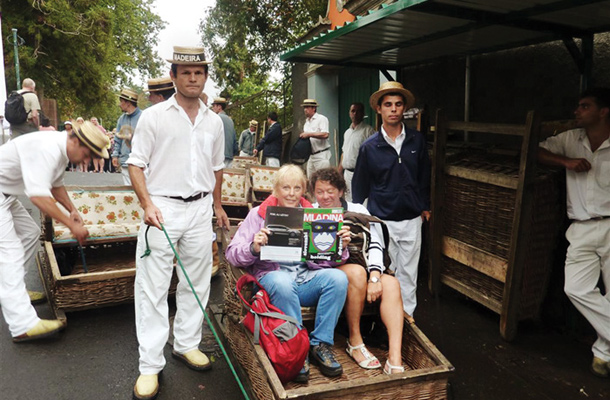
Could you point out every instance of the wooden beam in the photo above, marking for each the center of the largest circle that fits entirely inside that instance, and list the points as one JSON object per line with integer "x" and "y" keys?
{"x": 482, "y": 261}
{"x": 437, "y": 189}
{"x": 511, "y": 298}
{"x": 484, "y": 127}
{"x": 482, "y": 176}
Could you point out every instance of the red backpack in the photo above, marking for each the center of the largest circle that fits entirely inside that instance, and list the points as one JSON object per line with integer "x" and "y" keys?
{"x": 281, "y": 336}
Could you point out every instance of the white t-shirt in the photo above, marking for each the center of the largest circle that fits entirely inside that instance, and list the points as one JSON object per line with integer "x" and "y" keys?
{"x": 33, "y": 164}
{"x": 588, "y": 193}
{"x": 317, "y": 123}
{"x": 181, "y": 156}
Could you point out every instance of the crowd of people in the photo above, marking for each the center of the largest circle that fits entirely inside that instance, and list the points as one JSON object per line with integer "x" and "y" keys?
{"x": 173, "y": 154}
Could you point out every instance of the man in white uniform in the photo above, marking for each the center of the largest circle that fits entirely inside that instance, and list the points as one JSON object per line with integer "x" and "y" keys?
{"x": 182, "y": 143}
{"x": 585, "y": 154}
{"x": 357, "y": 133}
{"x": 316, "y": 128}
{"x": 34, "y": 165}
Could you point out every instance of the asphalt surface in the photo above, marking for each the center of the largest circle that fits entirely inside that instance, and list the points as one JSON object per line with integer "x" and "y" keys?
{"x": 96, "y": 357}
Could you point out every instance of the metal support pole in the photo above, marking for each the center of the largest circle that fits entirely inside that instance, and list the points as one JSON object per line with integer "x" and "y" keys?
{"x": 16, "y": 51}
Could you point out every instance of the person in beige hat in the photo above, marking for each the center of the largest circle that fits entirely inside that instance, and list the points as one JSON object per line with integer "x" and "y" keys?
{"x": 34, "y": 165}
{"x": 316, "y": 129}
{"x": 125, "y": 126}
{"x": 393, "y": 173}
{"x": 180, "y": 143}
{"x": 247, "y": 139}
{"x": 160, "y": 89}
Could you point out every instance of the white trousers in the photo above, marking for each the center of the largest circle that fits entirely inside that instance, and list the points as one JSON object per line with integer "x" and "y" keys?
{"x": 19, "y": 236}
{"x": 126, "y": 177}
{"x": 318, "y": 161}
{"x": 189, "y": 225}
{"x": 272, "y": 161}
{"x": 589, "y": 257}
{"x": 404, "y": 249}
{"x": 348, "y": 175}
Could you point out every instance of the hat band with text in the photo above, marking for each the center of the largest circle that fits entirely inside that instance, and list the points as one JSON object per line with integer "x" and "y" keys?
{"x": 189, "y": 57}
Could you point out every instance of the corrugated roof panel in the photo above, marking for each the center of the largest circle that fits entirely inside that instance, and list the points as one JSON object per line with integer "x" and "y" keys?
{"x": 591, "y": 17}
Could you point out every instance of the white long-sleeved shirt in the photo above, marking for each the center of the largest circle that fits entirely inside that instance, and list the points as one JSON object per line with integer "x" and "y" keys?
{"x": 181, "y": 156}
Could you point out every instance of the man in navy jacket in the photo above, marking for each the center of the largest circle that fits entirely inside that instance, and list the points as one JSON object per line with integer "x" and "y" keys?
{"x": 271, "y": 144}
{"x": 393, "y": 173}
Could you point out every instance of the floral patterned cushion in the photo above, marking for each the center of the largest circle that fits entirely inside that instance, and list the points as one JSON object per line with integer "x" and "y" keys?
{"x": 243, "y": 162}
{"x": 234, "y": 187}
{"x": 105, "y": 214}
{"x": 262, "y": 178}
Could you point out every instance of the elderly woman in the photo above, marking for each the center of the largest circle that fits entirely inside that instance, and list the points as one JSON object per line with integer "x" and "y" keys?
{"x": 294, "y": 284}
{"x": 367, "y": 282}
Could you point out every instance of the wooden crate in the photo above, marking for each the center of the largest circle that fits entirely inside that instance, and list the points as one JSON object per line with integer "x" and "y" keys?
{"x": 496, "y": 220}
{"x": 426, "y": 370}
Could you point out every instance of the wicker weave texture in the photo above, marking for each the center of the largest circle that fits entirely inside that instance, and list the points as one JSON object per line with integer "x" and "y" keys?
{"x": 414, "y": 356}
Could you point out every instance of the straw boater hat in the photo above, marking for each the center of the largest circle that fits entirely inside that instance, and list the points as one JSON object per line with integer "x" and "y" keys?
{"x": 129, "y": 95}
{"x": 309, "y": 103}
{"x": 253, "y": 123}
{"x": 219, "y": 100}
{"x": 93, "y": 138}
{"x": 188, "y": 56}
{"x": 392, "y": 87}
{"x": 160, "y": 84}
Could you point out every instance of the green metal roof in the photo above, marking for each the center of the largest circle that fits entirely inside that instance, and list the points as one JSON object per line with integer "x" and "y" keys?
{"x": 409, "y": 32}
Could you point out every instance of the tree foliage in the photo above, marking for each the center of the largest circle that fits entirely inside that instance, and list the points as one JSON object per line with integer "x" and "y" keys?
{"x": 245, "y": 39}
{"x": 80, "y": 52}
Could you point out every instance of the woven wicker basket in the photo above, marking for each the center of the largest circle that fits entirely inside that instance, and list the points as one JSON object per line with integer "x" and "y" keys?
{"x": 425, "y": 377}
{"x": 109, "y": 280}
{"x": 481, "y": 215}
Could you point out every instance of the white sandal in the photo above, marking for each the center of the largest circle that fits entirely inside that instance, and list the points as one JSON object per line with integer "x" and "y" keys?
{"x": 369, "y": 359}
{"x": 388, "y": 368}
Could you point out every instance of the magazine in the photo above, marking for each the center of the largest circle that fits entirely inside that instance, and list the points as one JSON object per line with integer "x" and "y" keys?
{"x": 299, "y": 234}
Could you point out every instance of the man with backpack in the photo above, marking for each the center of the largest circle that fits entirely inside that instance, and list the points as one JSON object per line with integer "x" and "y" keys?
{"x": 22, "y": 109}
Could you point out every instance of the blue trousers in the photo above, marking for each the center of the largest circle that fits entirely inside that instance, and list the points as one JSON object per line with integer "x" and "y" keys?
{"x": 326, "y": 291}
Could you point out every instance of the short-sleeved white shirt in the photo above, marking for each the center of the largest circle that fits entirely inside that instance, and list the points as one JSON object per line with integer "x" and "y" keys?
{"x": 181, "y": 156}
{"x": 588, "y": 193}
{"x": 33, "y": 164}
{"x": 317, "y": 123}
{"x": 352, "y": 139}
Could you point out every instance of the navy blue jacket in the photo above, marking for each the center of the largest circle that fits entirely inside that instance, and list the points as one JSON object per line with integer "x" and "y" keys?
{"x": 271, "y": 144}
{"x": 398, "y": 187}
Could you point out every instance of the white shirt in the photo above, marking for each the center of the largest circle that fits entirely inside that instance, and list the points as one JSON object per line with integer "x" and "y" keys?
{"x": 181, "y": 156}
{"x": 33, "y": 164}
{"x": 588, "y": 193}
{"x": 352, "y": 139}
{"x": 397, "y": 144}
{"x": 317, "y": 123}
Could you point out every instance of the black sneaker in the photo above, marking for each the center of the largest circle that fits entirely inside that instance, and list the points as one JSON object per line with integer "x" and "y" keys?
{"x": 303, "y": 376}
{"x": 322, "y": 355}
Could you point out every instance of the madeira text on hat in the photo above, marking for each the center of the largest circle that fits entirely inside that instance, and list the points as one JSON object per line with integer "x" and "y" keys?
{"x": 188, "y": 56}
{"x": 219, "y": 100}
{"x": 160, "y": 84}
{"x": 129, "y": 95}
{"x": 89, "y": 135}
{"x": 389, "y": 88}
{"x": 309, "y": 103}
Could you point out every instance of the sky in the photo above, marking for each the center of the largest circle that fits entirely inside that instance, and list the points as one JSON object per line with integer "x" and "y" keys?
{"x": 183, "y": 18}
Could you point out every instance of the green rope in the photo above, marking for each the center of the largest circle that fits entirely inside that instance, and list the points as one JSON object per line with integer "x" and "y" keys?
{"x": 147, "y": 252}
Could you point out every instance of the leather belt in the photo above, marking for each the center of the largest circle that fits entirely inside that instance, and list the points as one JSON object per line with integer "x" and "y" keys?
{"x": 189, "y": 199}
{"x": 594, "y": 219}
{"x": 350, "y": 169}
{"x": 319, "y": 151}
